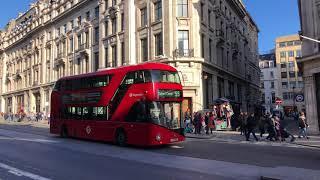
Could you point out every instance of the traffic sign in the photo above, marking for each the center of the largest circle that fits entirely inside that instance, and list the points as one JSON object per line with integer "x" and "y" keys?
{"x": 278, "y": 101}
{"x": 300, "y": 98}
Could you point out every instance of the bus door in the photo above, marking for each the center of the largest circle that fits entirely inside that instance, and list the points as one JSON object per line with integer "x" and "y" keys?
{"x": 136, "y": 119}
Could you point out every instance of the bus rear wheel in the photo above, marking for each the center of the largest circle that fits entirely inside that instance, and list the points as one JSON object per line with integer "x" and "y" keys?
{"x": 64, "y": 132}
{"x": 121, "y": 138}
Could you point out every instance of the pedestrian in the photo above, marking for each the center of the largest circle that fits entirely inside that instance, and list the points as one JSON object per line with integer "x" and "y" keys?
{"x": 285, "y": 133}
{"x": 202, "y": 123}
{"x": 262, "y": 123}
{"x": 197, "y": 123}
{"x": 277, "y": 127}
{"x": 251, "y": 124}
{"x": 270, "y": 127}
{"x": 206, "y": 120}
{"x": 187, "y": 116}
{"x": 245, "y": 118}
{"x": 303, "y": 126}
{"x": 187, "y": 121}
{"x": 211, "y": 124}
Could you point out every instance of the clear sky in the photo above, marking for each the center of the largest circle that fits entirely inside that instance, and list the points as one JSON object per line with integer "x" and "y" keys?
{"x": 9, "y": 9}
{"x": 274, "y": 17}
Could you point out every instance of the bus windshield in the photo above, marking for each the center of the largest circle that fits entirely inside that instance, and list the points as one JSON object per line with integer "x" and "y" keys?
{"x": 165, "y": 114}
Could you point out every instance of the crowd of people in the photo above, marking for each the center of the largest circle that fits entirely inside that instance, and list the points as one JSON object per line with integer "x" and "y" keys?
{"x": 21, "y": 116}
{"x": 271, "y": 124}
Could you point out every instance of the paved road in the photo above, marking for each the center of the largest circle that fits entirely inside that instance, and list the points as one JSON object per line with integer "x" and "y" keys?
{"x": 31, "y": 153}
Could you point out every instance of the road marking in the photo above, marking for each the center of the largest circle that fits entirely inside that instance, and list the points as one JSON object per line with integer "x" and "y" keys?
{"x": 176, "y": 147}
{"x": 19, "y": 172}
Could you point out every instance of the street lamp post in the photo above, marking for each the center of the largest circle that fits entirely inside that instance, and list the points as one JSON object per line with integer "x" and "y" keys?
{"x": 294, "y": 98}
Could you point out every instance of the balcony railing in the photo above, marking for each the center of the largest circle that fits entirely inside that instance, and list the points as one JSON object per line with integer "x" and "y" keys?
{"x": 184, "y": 53}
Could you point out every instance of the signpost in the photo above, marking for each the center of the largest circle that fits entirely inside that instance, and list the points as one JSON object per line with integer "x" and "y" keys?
{"x": 278, "y": 101}
{"x": 299, "y": 98}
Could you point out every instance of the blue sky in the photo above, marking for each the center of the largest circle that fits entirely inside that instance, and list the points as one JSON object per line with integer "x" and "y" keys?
{"x": 274, "y": 17}
{"x": 9, "y": 9}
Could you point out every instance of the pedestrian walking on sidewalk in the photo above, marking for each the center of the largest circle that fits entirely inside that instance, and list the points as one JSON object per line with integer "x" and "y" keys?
{"x": 277, "y": 127}
{"x": 251, "y": 124}
{"x": 211, "y": 125}
{"x": 303, "y": 126}
{"x": 262, "y": 122}
{"x": 271, "y": 128}
{"x": 206, "y": 120}
{"x": 197, "y": 123}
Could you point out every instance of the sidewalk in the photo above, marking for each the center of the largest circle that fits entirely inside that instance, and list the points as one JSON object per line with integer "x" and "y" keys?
{"x": 39, "y": 124}
{"x": 232, "y": 136}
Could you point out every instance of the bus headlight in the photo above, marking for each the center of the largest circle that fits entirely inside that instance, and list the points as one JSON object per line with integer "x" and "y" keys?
{"x": 158, "y": 137}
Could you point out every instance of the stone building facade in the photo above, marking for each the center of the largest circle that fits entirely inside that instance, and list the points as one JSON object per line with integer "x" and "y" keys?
{"x": 213, "y": 43}
{"x": 288, "y": 49}
{"x": 310, "y": 61}
{"x": 269, "y": 81}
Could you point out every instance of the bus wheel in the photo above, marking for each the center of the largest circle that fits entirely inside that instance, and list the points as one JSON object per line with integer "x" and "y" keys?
{"x": 121, "y": 138}
{"x": 64, "y": 132}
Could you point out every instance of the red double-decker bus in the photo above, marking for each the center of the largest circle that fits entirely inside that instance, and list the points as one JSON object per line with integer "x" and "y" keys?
{"x": 138, "y": 105}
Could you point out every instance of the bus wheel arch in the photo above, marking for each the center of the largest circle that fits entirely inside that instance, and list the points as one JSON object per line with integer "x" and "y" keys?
{"x": 121, "y": 137}
{"x": 64, "y": 131}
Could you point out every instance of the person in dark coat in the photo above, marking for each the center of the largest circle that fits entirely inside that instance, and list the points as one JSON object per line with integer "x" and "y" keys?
{"x": 197, "y": 123}
{"x": 206, "y": 120}
{"x": 262, "y": 122}
{"x": 242, "y": 119}
{"x": 251, "y": 124}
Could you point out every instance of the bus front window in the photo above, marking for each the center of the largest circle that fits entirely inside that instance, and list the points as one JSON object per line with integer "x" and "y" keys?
{"x": 165, "y": 114}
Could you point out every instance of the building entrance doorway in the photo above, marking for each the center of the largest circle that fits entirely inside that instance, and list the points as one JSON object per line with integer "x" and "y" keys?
{"x": 9, "y": 105}
{"x": 20, "y": 103}
{"x": 37, "y": 98}
{"x": 186, "y": 103}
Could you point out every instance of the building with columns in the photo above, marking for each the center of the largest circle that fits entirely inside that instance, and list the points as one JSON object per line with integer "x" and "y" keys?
{"x": 310, "y": 61}
{"x": 213, "y": 43}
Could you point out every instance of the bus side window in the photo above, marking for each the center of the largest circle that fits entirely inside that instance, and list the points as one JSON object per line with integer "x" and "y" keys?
{"x": 138, "y": 77}
{"x": 147, "y": 76}
{"x": 79, "y": 113}
{"x": 86, "y": 113}
{"x": 99, "y": 113}
{"x": 129, "y": 79}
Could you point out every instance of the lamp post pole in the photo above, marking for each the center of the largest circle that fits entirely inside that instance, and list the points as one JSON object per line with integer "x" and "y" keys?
{"x": 294, "y": 98}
